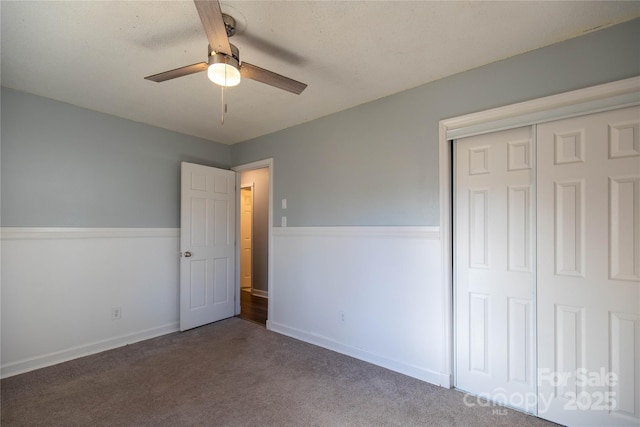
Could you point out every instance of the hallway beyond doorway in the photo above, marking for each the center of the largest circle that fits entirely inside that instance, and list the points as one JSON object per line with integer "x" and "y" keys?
{"x": 253, "y": 308}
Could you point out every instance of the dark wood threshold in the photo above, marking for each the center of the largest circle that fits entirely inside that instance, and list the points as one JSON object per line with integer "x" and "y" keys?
{"x": 253, "y": 308}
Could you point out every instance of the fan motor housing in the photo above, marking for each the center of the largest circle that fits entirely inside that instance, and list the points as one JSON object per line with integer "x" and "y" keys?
{"x": 233, "y": 59}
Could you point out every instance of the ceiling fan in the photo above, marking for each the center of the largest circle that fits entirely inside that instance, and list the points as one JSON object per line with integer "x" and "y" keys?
{"x": 223, "y": 65}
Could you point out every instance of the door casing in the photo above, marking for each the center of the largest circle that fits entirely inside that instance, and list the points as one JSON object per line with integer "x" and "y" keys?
{"x": 260, "y": 164}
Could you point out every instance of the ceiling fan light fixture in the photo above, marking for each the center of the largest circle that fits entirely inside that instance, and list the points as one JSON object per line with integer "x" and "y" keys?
{"x": 223, "y": 70}
{"x": 223, "y": 62}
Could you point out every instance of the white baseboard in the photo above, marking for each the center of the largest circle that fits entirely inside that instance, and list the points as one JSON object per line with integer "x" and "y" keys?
{"x": 374, "y": 293}
{"x": 433, "y": 377}
{"x": 60, "y": 286}
{"x": 384, "y": 279}
{"x": 45, "y": 360}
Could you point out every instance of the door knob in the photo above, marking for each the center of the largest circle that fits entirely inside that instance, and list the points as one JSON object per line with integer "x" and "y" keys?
{"x": 187, "y": 254}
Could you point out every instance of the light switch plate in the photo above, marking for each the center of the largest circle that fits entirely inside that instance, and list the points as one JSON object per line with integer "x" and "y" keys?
{"x": 284, "y": 203}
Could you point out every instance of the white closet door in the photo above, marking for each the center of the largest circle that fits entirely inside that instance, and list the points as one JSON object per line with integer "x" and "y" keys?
{"x": 588, "y": 277}
{"x": 493, "y": 267}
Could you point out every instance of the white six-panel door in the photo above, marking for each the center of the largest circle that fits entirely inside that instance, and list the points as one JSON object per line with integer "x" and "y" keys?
{"x": 589, "y": 269}
{"x": 207, "y": 245}
{"x": 493, "y": 267}
{"x": 585, "y": 230}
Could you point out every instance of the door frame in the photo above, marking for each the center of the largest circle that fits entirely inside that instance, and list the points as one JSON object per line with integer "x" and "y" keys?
{"x": 243, "y": 187}
{"x": 260, "y": 164}
{"x": 593, "y": 99}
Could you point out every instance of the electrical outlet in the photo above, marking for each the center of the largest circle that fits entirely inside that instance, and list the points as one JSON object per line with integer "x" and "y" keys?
{"x": 341, "y": 317}
{"x": 116, "y": 313}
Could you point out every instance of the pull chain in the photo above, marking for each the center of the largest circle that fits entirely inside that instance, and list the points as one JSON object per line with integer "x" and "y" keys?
{"x": 223, "y": 106}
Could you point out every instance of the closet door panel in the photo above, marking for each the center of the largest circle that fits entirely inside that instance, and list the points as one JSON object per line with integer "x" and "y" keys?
{"x": 588, "y": 269}
{"x": 493, "y": 267}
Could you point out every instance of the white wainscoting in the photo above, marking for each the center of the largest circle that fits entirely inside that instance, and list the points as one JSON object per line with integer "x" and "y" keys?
{"x": 59, "y": 286}
{"x": 374, "y": 293}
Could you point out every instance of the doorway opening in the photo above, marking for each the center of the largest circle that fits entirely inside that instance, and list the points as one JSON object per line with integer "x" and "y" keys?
{"x": 253, "y": 302}
{"x": 246, "y": 237}
{"x": 254, "y": 207}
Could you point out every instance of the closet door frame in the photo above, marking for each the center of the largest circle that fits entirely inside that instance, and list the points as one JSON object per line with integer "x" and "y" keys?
{"x": 608, "y": 96}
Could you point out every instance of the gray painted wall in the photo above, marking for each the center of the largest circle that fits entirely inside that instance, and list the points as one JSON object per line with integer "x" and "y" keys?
{"x": 260, "y": 243}
{"x": 65, "y": 166}
{"x": 377, "y": 164}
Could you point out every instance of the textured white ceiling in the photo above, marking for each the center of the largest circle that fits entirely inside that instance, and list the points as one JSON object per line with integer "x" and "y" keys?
{"x": 95, "y": 54}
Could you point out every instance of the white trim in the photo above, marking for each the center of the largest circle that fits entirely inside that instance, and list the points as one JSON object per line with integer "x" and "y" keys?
{"x": 446, "y": 251}
{"x": 65, "y": 355}
{"x": 260, "y": 164}
{"x": 433, "y": 377}
{"x": 534, "y": 261}
{"x": 396, "y": 267}
{"x": 623, "y": 93}
{"x": 44, "y": 233}
{"x": 416, "y": 232}
{"x": 588, "y": 97}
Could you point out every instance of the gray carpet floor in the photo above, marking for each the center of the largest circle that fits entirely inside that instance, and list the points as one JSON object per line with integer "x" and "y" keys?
{"x": 234, "y": 373}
